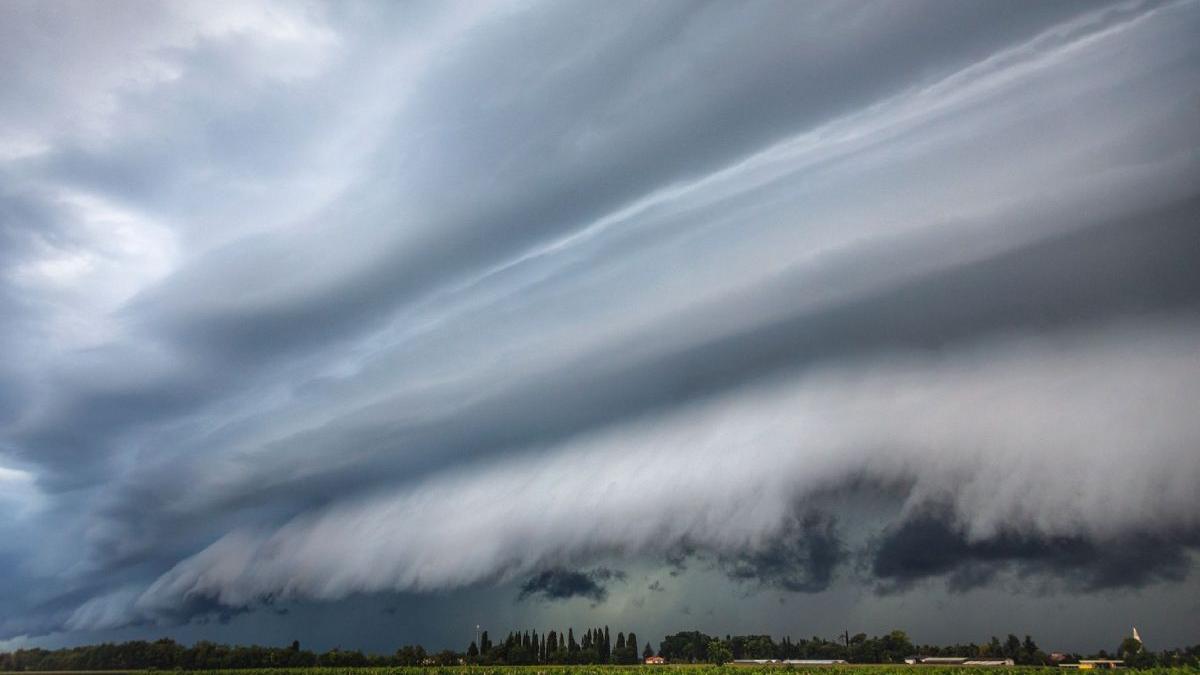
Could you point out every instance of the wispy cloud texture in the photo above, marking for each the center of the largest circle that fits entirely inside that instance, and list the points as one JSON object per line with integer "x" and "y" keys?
{"x": 307, "y": 301}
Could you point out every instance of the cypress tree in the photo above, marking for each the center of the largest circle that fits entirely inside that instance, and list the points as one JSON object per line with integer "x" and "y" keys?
{"x": 606, "y": 650}
{"x": 572, "y": 645}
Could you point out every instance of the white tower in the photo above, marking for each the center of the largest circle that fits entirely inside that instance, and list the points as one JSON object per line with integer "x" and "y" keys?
{"x": 1135, "y": 634}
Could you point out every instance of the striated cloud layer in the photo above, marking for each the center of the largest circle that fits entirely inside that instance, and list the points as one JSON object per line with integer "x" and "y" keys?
{"x": 557, "y": 302}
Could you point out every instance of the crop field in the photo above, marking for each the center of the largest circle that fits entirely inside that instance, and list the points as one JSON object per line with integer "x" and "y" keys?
{"x": 679, "y": 669}
{"x": 673, "y": 669}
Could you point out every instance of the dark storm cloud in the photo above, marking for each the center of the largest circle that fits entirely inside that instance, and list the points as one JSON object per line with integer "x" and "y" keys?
{"x": 272, "y": 276}
{"x": 203, "y": 610}
{"x": 1113, "y": 269}
{"x": 610, "y": 401}
{"x": 930, "y": 545}
{"x": 557, "y": 188}
{"x": 547, "y": 197}
{"x": 802, "y": 557}
{"x": 564, "y": 584}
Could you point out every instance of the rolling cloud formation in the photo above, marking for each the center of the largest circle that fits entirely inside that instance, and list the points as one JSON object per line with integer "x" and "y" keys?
{"x": 306, "y": 301}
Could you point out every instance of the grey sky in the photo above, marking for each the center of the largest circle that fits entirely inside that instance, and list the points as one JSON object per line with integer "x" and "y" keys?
{"x": 808, "y": 316}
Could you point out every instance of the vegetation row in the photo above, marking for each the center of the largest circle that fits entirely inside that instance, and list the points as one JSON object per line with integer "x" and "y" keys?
{"x": 593, "y": 647}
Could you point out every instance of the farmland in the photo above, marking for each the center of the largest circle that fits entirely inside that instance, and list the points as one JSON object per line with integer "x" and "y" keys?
{"x": 697, "y": 669}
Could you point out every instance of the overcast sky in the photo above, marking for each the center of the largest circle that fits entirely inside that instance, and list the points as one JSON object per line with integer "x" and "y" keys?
{"x": 364, "y": 323}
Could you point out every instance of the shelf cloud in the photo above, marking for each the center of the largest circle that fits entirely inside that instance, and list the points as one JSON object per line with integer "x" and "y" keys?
{"x": 325, "y": 303}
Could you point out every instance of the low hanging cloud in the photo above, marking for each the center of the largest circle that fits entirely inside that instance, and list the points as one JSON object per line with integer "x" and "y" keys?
{"x": 800, "y": 557}
{"x": 930, "y": 544}
{"x": 306, "y": 302}
{"x": 563, "y": 584}
{"x": 967, "y": 429}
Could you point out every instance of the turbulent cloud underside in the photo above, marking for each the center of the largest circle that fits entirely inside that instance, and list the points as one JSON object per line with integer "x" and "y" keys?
{"x": 307, "y": 302}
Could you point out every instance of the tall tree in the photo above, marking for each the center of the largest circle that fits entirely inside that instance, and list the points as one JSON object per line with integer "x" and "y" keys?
{"x": 1012, "y": 647}
{"x": 718, "y": 653}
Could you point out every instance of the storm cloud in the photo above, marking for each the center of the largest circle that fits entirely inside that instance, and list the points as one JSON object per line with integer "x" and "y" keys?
{"x": 801, "y": 557}
{"x": 929, "y": 544}
{"x": 337, "y": 303}
{"x": 562, "y": 584}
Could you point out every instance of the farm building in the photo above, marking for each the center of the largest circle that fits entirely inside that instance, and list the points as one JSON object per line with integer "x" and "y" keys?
{"x": 956, "y": 661}
{"x": 1094, "y": 664}
{"x": 655, "y": 660}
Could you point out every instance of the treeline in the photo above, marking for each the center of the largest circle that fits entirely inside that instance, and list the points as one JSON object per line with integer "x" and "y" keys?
{"x": 694, "y": 646}
{"x": 166, "y": 654}
{"x": 594, "y": 646}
